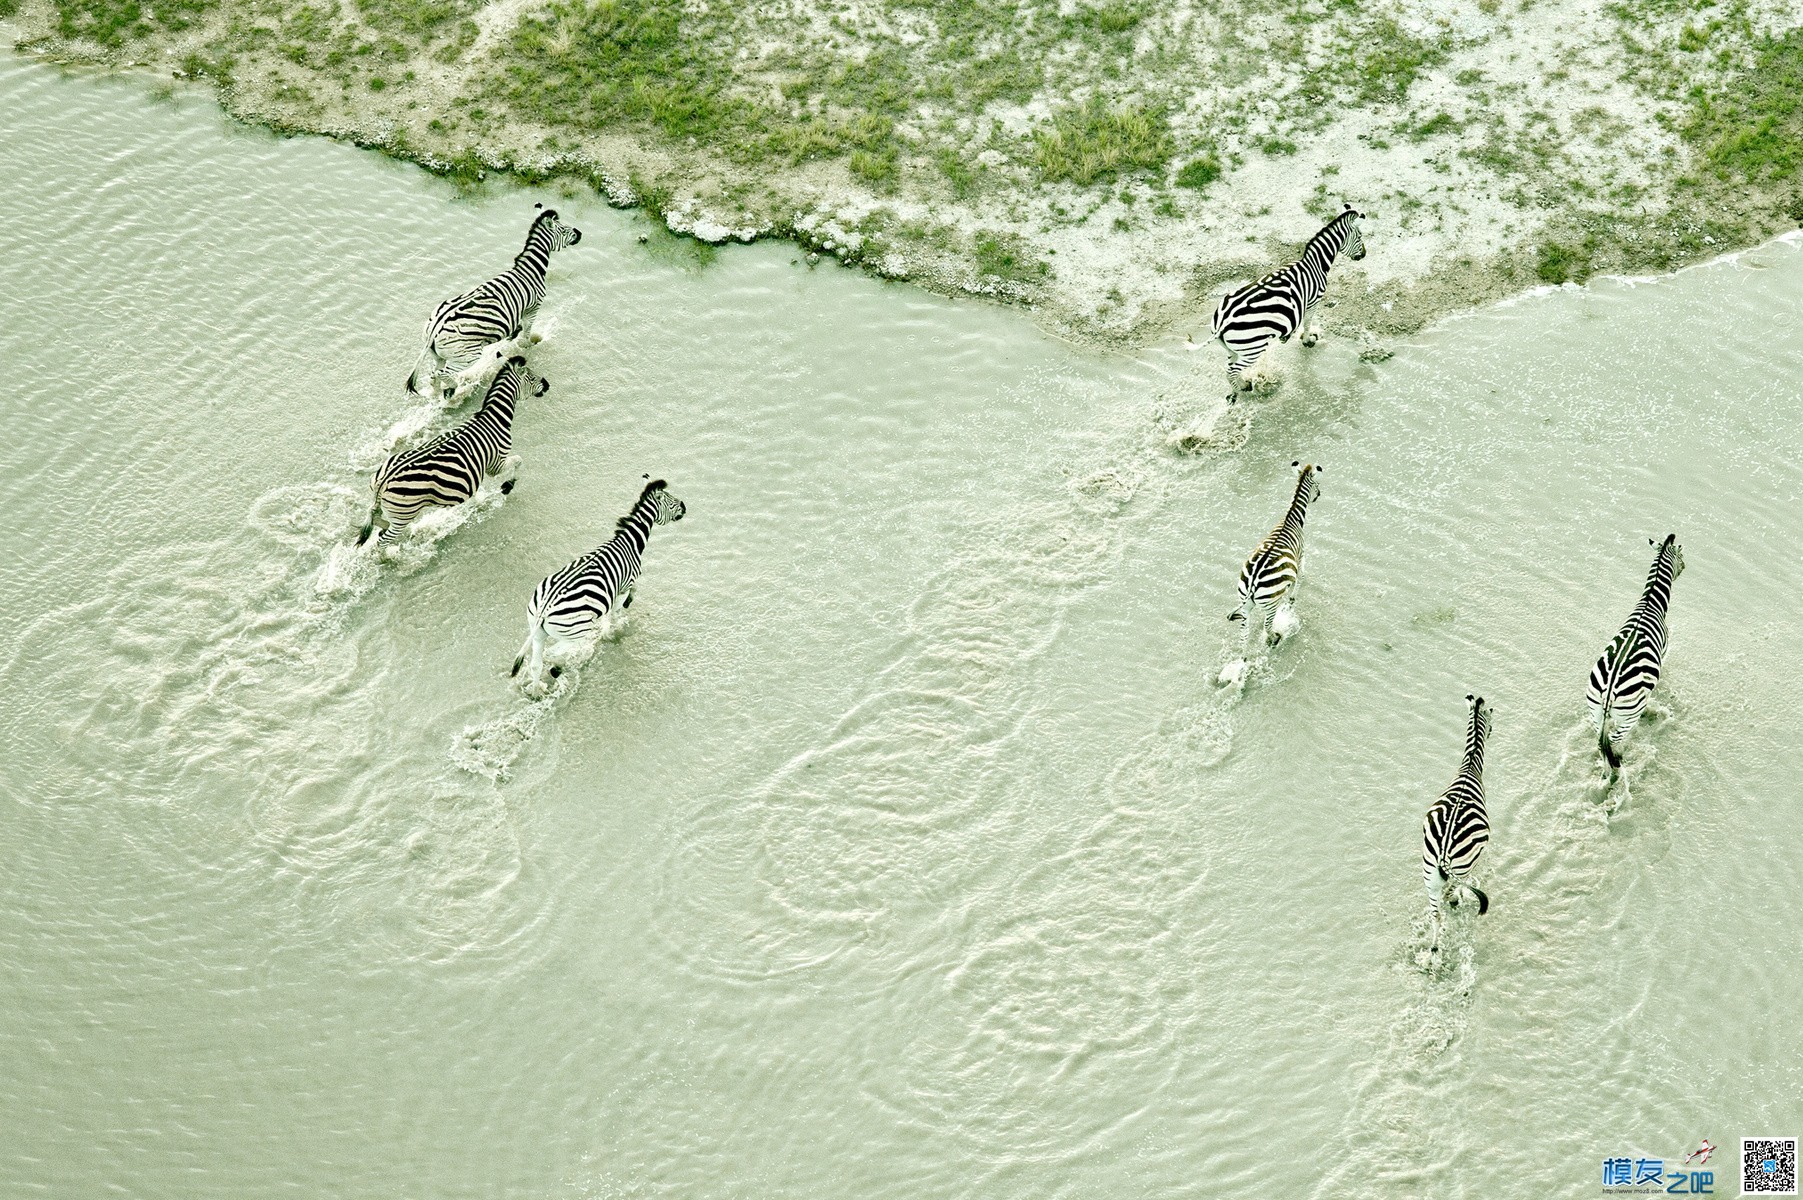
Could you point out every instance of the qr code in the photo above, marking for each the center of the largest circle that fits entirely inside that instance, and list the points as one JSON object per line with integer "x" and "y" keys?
{"x": 1768, "y": 1166}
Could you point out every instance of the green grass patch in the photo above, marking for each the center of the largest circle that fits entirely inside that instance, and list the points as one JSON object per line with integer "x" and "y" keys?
{"x": 958, "y": 174}
{"x": 1558, "y": 262}
{"x": 113, "y": 22}
{"x": 1004, "y": 256}
{"x": 1752, "y": 126}
{"x": 413, "y": 18}
{"x": 1114, "y": 17}
{"x": 1437, "y": 124}
{"x": 1384, "y": 62}
{"x": 1095, "y": 143}
{"x": 600, "y": 64}
{"x": 1201, "y": 171}
{"x": 612, "y": 62}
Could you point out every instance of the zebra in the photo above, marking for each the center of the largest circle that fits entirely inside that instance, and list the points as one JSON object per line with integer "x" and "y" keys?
{"x": 1457, "y": 828}
{"x": 501, "y": 310}
{"x": 592, "y": 590}
{"x": 446, "y": 470}
{"x": 1271, "y": 577}
{"x": 1623, "y": 679}
{"x": 1283, "y": 301}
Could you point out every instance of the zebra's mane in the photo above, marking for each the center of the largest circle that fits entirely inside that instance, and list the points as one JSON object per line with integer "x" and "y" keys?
{"x": 1665, "y": 562}
{"x": 1480, "y": 725}
{"x": 1346, "y": 217}
{"x": 1307, "y": 488}
{"x": 544, "y": 219}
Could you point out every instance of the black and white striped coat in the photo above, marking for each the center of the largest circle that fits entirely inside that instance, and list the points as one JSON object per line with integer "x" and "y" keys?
{"x": 448, "y": 469}
{"x": 1457, "y": 827}
{"x": 1623, "y": 679}
{"x": 591, "y": 591}
{"x": 1271, "y": 577}
{"x": 1283, "y": 301}
{"x": 501, "y": 310}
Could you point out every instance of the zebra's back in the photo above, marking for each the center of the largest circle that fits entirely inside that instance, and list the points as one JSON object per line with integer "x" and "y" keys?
{"x": 571, "y": 602}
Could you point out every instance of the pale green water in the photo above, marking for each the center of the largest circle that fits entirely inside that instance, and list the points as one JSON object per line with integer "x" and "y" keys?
{"x": 901, "y": 847}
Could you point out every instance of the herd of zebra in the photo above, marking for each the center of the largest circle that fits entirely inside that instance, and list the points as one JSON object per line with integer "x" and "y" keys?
{"x": 468, "y": 334}
{"x": 1456, "y": 828}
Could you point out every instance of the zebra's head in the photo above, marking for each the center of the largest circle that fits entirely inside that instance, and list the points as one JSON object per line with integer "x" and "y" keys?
{"x": 665, "y": 508}
{"x": 1308, "y": 482}
{"x": 531, "y": 382}
{"x": 561, "y": 235}
{"x": 1670, "y": 547}
{"x": 1480, "y": 718}
{"x": 1355, "y": 240}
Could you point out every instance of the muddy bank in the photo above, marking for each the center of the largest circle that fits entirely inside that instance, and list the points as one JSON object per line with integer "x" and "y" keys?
{"x": 1113, "y": 167}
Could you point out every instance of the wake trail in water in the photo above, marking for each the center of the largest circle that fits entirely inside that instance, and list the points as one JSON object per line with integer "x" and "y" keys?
{"x": 897, "y": 830}
{"x": 222, "y": 666}
{"x": 879, "y": 814}
{"x": 1560, "y": 873}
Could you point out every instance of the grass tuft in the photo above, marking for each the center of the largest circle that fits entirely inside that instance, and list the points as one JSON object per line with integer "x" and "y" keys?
{"x": 1201, "y": 171}
{"x": 1094, "y": 143}
{"x": 1005, "y": 256}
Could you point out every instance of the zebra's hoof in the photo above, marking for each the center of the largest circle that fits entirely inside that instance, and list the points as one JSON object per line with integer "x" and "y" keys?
{"x": 555, "y": 672}
{"x": 508, "y": 486}
{"x": 1310, "y": 341}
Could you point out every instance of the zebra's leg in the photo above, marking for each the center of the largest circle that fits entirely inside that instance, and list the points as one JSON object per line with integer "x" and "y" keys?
{"x": 468, "y": 368}
{"x": 510, "y": 467}
{"x": 1284, "y": 621}
{"x": 1239, "y": 371}
{"x": 392, "y": 529}
{"x": 1435, "y": 883}
{"x": 1309, "y": 335}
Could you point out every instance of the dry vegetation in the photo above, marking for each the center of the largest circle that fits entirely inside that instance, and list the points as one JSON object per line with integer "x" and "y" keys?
{"x": 1113, "y": 163}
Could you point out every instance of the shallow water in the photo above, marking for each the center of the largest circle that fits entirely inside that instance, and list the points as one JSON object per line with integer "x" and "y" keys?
{"x": 902, "y": 844}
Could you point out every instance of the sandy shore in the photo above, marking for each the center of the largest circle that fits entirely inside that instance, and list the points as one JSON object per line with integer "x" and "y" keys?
{"x": 1113, "y": 168}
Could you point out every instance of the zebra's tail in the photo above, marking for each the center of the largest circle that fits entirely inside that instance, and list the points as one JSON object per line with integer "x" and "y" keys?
{"x": 424, "y": 369}
{"x": 1603, "y": 743}
{"x": 369, "y": 522}
{"x": 534, "y": 645}
{"x": 1483, "y": 901}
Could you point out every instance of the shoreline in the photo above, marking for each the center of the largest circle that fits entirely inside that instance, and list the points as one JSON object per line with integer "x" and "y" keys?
{"x": 1167, "y": 252}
